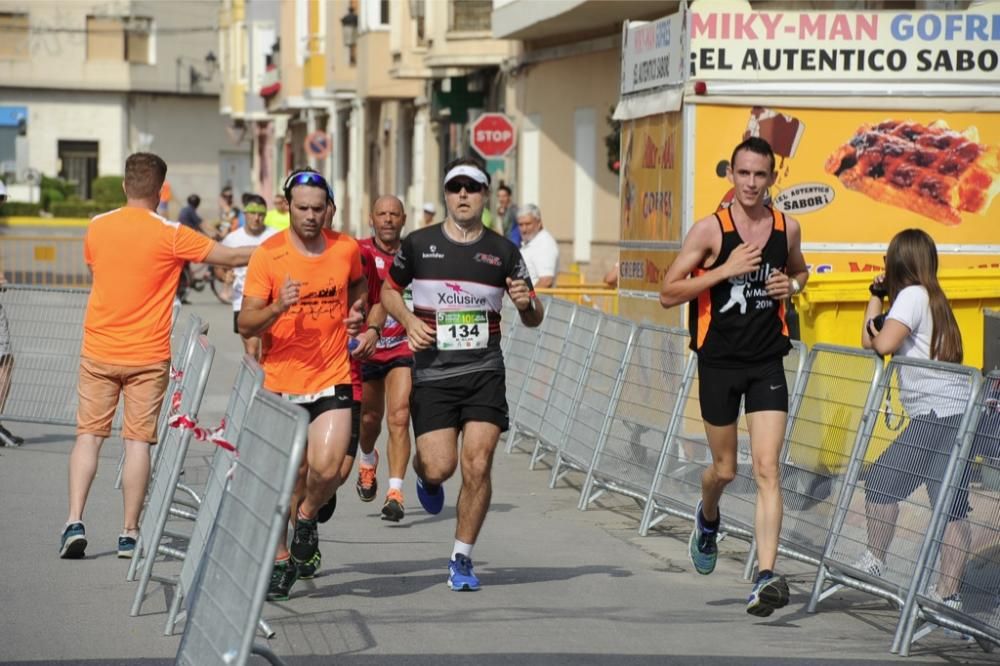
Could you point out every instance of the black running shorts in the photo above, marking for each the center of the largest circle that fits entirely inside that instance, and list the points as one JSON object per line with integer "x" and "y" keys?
{"x": 371, "y": 372}
{"x": 762, "y": 387}
{"x": 343, "y": 398}
{"x": 452, "y": 402}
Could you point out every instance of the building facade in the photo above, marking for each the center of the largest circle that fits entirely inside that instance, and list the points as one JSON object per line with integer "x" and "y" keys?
{"x": 84, "y": 84}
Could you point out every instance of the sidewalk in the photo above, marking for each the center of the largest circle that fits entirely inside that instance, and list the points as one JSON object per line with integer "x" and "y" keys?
{"x": 560, "y": 586}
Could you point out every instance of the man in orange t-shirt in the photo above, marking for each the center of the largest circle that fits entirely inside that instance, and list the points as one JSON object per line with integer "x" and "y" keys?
{"x": 136, "y": 258}
{"x": 304, "y": 294}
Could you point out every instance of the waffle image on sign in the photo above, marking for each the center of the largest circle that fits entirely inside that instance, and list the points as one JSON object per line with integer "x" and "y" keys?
{"x": 932, "y": 170}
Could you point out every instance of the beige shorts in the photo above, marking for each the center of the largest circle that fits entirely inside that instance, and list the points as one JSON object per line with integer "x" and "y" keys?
{"x": 99, "y": 388}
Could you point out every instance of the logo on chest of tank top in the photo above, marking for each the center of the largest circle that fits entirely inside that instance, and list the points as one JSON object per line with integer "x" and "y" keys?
{"x": 747, "y": 291}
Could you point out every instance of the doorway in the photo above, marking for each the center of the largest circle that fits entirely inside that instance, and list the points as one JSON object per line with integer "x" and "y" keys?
{"x": 79, "y": 165}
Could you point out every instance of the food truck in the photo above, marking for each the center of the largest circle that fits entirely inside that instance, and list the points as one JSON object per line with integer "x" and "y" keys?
{"x": 880, "y": 121}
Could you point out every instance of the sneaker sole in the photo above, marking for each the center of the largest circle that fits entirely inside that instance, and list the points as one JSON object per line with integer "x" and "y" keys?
{"x": 770, "y": 599}
{"x": 464, "y": 587}
{"x": 74, "y": 548}
{"x": 125, "y": 554}
{"x": 392, "y": 515}
{"x": 367, "y": 498}
{"x": 692, "y": 546}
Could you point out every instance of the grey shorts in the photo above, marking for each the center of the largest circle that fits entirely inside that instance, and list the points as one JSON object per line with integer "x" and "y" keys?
{"x": 5, "y": 349}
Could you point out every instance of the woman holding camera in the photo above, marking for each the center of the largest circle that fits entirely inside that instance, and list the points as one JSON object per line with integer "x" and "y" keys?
{"x": 919, "y": 324}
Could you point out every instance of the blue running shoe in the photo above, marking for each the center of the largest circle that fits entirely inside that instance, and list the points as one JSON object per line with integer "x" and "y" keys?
{"x": 126, "y": 546}
{"x": 460, "y": 576}
{"x": 431, "y": 497}
{"x": 74, "y": 542}
{"x": 701, "y": 546}
{"x": 769, "y": 593}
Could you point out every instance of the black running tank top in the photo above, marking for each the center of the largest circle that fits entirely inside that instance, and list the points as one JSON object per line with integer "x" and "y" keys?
{"x": 736, "y": 322}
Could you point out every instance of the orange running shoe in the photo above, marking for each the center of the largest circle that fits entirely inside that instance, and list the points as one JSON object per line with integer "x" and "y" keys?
{"x": 367, "y": 483}
{"x": 392, "y": 510}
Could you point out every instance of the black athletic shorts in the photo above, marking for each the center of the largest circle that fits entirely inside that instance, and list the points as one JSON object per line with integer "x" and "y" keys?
{"x": 763, "y": 388}
{"x": 918, "y": 457}
{"x": 341, "y": 399}
{"x": 452, "y": 402}
{"x": 371, "y": 372}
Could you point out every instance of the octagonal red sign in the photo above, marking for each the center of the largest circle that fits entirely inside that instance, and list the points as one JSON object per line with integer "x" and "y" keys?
{"x": 493, "y": 135}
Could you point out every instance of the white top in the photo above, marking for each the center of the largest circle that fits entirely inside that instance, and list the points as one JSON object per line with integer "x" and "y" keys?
{"x": 921, "y": 390}
{"x": 541, "y": 254}
{"x": 240, "y": 238}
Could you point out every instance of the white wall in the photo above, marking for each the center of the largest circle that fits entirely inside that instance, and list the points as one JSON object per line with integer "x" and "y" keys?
{"x": 72, "y": 116}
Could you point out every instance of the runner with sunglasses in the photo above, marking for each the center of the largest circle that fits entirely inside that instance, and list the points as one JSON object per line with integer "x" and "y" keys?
{"x": 458, "y": 273}
{"x": 304, "y": 295}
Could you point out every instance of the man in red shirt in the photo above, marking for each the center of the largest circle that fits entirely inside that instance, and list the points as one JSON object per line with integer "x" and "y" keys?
{"x": 386, "y": 372}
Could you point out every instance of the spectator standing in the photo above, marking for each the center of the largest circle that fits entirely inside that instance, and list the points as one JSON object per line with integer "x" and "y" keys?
{"x": 539, "y": 249}
{"x": 429, "y": 211}
{"x": 507, "y": 211}
{"x": 136, "y": 258}
{"x": 190, "y": 218}
{"x": 919, "y": 324}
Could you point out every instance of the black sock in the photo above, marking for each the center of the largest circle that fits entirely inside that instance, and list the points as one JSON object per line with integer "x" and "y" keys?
{"x": 709, "y": 525}
{"x": 764, "y": 574}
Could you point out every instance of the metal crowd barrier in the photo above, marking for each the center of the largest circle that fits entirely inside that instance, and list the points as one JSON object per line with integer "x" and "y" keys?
{"x": 517, "y": 356}
{"x": 229, "y": 591}
{"x": 567, "y": 384}
{"x": 527, "y": 411}
{"x": 152, "y": 524}
{"x": 182, "y": 344}
{"x": 46, "y": 330}
{"x": 588, "y": 425}
{"x": 963, "y": 551}
{"x": 879, "y": 514}
{"x": 651, "y": 387}
{"x": 249, "y": 379}
{"x": 52, "y": 261}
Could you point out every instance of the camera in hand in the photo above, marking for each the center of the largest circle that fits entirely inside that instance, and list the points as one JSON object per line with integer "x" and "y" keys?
{"x": 878, "y": 322}
{"x": 878, "y": 289}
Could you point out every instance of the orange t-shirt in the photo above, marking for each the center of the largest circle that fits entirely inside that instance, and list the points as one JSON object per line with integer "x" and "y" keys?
{"x": 136, "y": 257}
{"x": 305, "y": 350}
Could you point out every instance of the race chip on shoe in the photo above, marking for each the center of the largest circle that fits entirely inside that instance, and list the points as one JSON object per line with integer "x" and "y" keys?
{"x": 462, "y": 329}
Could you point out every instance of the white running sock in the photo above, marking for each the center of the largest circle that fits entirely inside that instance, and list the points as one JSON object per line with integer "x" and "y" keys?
{"x": 395, "y": 484}
{"x": 368, "y": 459}
{"x": 463, "y": 548}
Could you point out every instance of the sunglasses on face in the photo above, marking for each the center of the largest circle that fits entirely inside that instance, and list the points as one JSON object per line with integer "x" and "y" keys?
{"x": 456, "y": 185}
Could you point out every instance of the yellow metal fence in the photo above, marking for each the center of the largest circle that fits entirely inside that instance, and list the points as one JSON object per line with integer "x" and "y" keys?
{"x": 53, "y": 261}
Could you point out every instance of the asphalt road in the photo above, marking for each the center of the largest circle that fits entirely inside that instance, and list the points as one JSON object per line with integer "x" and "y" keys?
{"x": 560, "y": 586}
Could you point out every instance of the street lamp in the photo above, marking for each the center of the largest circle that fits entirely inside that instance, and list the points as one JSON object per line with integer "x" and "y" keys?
{"x": 349, "y": 27}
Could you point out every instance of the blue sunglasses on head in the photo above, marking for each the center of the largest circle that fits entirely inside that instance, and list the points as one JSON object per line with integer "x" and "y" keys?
{"x": 312, "y": 178}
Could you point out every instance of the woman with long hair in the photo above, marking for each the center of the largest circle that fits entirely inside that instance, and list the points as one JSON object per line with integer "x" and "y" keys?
{"x": 919, "y": 324}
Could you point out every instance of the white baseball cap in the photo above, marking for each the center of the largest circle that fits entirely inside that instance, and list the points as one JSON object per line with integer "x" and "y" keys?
{"x": 428, "y": 207}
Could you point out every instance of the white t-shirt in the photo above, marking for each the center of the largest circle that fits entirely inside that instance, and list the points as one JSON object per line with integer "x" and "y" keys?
{"x": 923, "y": 391}
{"x": 541, "y": 254}
{"x": 240, "y": 238}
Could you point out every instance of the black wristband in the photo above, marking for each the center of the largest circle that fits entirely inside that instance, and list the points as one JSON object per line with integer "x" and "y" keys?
{"x": 377, "y": 329}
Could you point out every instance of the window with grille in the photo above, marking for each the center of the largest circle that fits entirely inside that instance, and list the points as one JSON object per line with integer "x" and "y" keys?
{"x": 138, "y": 40}
{"x": 471, "y": 15}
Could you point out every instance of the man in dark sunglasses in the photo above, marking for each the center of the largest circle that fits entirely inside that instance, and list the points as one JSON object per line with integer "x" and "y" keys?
{"x": 304, "y": 295}
{"x": 458, "y": 272}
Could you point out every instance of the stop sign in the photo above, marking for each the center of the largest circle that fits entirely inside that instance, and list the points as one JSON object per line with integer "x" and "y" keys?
{"x": 492, "y": 135}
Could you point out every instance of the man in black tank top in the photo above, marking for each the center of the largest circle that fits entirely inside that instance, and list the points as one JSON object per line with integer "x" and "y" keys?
{"x": 458, "y": 272}
{"x": 744, "y": 262}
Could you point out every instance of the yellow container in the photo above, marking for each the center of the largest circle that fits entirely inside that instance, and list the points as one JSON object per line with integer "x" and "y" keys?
{"x": 832, "y": 306}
